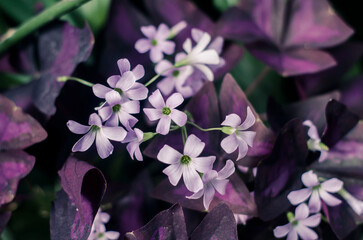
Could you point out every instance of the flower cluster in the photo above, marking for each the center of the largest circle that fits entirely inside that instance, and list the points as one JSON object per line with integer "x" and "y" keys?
{"x": 98, "y": 231}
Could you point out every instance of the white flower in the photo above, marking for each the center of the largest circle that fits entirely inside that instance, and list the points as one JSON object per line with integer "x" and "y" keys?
{"x": 354, "y": 203}
{"x": 314, "y": 143}
{"x": 98, "y": 231}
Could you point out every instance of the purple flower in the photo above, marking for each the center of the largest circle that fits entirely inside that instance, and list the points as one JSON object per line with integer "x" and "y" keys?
{"x": 316, "y": 191}
{"x": 156, "y": 42}
{"x": 299, "y": 224}
{"x": 165, "y": 111}
{"x": 238, "y": 137}
{"x": 95, "y": 130}
{"x": 314, "y": 143}
{"x": 212, "y": 181}
{"x": 134, "y": 138}
{"x": 118, "y": 109}
{"x": 98, "y": 231}
{"x": 187, "y": 164}
{"x": 125, "y": 84}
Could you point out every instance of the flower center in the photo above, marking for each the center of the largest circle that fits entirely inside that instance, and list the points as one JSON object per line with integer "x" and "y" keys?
{"x": 176, "y": 73}
{"x": 294, "y": 223}
{"x": 99, "y": 235}
{"x": 116, "y": 108}
{"x": 95, "y": 128}
{"x": 119, "y": 91}
{"x": 154, "y": 42}
{"x": 166, "y": 111}
{"x": 185, "y": 159}
{"x": 316, "y": 188}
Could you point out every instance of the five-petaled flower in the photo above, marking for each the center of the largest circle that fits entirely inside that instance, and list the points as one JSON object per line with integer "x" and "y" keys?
{"x": 238, "y": 137}
{"x": 316, "y": 191}
{"x": 165, "y": 111}
{"x": 187, "y": 164}
{"x": 212, "y": 181}
{"x": 299, "y": 224}
{"x": 134, "y": 138}
{"x": 98, "y": 231}
{"x": 95, "y": 130}
{"x": 314, "y": 143}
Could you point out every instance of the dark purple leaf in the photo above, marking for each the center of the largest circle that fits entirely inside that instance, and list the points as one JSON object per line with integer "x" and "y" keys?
{"x": 352, "y": 96}
{"x": 17, "y": 129}
{"x": 233, "y": 100}
{"x": 4, "y": 218}
{"x": 168, "y": 224}
{"x": 218, "y": 224}
{"x": 274, "y": 33}
{"x": 72, "y": 214}
{"x": 280, "y": 173}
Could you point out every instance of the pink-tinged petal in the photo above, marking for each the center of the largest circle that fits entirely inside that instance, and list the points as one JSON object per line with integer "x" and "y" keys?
{"x": 113, "y": 120}
{"x": 126, "y": 81}
{"x": 332, "y": 185}
{"x": 292, "y": 235}
{"x": 139, "y": 134}
{"x": 132, "y": 107}
{"x": 163, "y": 67}
{"x": 305, "y": 233}
{"x": 126, "y": 119}
{"x": 112, "y": 235}
{"x": 163, "y": 126}
{"x": 242, "y": 150}
{"x": 323, "y": 155}
{"x": 113, "y": 80}
{"x": 196, "y": 195}
{"x": 143, "y": 45}
{"x": 137, "y": 92}
{"x": 230, "y": 143}
{"x": 174, "y": 100}
{"x": 138, "y": 71}
{"x": 248, "y": 137}
{"x": 174, "y": 173}
{"x": 203, "y": 164}
{"x": 329, "y": 199}
{"x": 299, "y": 196}
{"x": 77, "y": 128}
{"x": 123, "y": 65}
{"x": 168, "y": 47}
{"x": 310, "y": 179}
{"x": 197, "y": 34}
{"x": 114, "y": 133}
{"x": 104, "y": 147}
{"x": 94, "y": 119}
{"x": 178, "y": 117}
{"x": 249, "y": 121}
{"x": 138, "y": 154}
{"x": 187, "y": 46}
{"x": 153, "y": 114}
{"x": 314, "y": 202}
{"x": 169, "y": 155}
{"x": 156, "y": 54}
{"x": 227, "y": 170}
{"x": 206, "y": 71}
{"x": 105, "y": 112}
{"x": 84, "y": 143}
{"x": 217, "y": 44}
{"x": 166, "y": 85}
{"x": 312, "y": 132}
{"x": 208, "y": 196}
{"x": 191, "y": 178}
{"x": 156, "y": 99}
{"x": 193, "y": 146}
{"x": 133, "y": 149}
{"x": 282, "y": 231}
{"x": 100, "y": 91}
{"x": 162, "y": 32}
{"x": 220, "y": 185}
{"x": 104, "y": 217}
{"x": 232, "y": 120}
{"x": 113, "y": 98}
{"x": 209, "y": 176}
{"x": 301, "y": 212}
{"x": 148, "y": 31}
{"x": 312, "y": 221}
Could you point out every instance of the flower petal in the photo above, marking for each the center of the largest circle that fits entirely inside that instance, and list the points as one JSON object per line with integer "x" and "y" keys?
{"x": 329, "y": 199}
{"x": 249, "y": 121}
{"x": 123, "y": 65}
{"x": 156, "y": 99}
{"x": 132, "y": 107}
{"x": 114, "y": 133}
{"x": 126, "y": 119}
{"x": 153, "y": 114}
{"x": 178, "y": 117}
{"x": 168, "y": 47}
{"x": 227, "y": 170}
{"x": 94, "y": 119}
{"x": 174, "y": 100}
{"x": 77, "y": 128}
{"x": 202, "y": 43}
{"x": 206, "y": 71}
{"x": 247, "y": 136}
{"x": 310, "y": 179}
{"x": 314, "y": 202}
{"x": 126, "y": 81}
{"x": 209, "y": 176}
{"x": 138, "y": 71}
{"x": 208, "y": 196}
{"x": 104, "y": 147}
{"x": 163, "y": 32}
{"x": 292, "y": 235}
{"x": 191, "y": 178}
{"x": 232, "y": 120}
{"x": 299, "y": 196}
{"x": 156, "y": 54}
{"x": 210, "y": 57}
{"x": 196, "y": 195}
{"x": 100, "y": 91}
{"x": 306, "y": 233}
{"x": 138, "y": 154}
{"x": 230, "y": 143}
{"x": 113, "y": 98}
{"x": 220, "y": 185}
{"x": 332, "y": 185}
{"x": 312, "y": 132}
{"x": 143, "y": 45}
{"x": 163, "y": 68}
{"x": 193, "y": 146}
{"x": 166, "y": 85}
{"x": 148, "y": 31}
{"x": 137, "y": 92}
{"x": 113, "y": 80}
{"x": 203, "y": 164}
{"x": 163, "y": 126}
{"x": 312, "y": 221}
{"x": 242, "y": 150}
{"x": 174, "y": 173}
{"x": 112, "y": 235}
{"x": 84, "y": 142}
{"x": 169, "y": 155}
{"x": 301, "y": 212}
{"x": 187, "y": 45}
{"x": 105, "y": 112}
{"x": 112, "y": 121}
{"x": 282, "y": 231}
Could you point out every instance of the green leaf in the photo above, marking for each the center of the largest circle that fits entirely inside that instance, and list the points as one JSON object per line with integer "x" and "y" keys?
{"x": 223, "y": 5}
{"x": 10, "y": 80}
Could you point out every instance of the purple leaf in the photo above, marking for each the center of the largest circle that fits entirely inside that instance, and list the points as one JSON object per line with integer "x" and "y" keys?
{"x": 280, "y": 173}
{"x": 218, "y": 224}
{"x": 77, "y": 203}
{"x": 352, "y": 96}
{"x": 168, "y": 224}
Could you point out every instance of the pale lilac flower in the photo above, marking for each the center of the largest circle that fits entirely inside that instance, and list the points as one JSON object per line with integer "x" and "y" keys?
{"x": 165, "y": 111}
{"x": 98, "y": 231}
{"x": 241, "y": 218}
{"x": 187, "y": 164}
{"x": 177, "y": 28}
{"x": 299, "y": 225}
{"x": 247, "y": 169}
{"x": 314, "y": 143}
{"x": 118, "y": 109}
{"x": 174, "y": 78}
{"x": 134, "y": 139}
{"x": 213, "y": 180}
{"x": 354, "y": 203}
{"x": 125, "y": 84}
{"x": 199, "y": 56}
{"x": 156, "y": 42}
{"x": 95, "y": 130}
{"x": 316, "y": 191}
{"x": 238, "y": 137}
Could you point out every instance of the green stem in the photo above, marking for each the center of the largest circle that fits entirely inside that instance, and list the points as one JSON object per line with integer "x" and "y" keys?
{"x": 204, "y": 129}
{"x": 66, "y": 78}
{"x": 184, "y": 134}
{"x": 325, "y": 219}
{"x": 257, "y": 81}
{"x": 57, "y": 10}
{"x": 158, "y": 75}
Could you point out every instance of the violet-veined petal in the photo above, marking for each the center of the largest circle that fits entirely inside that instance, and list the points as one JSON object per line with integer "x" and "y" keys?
{"x": 156, "y": 99}
{"x": 314, "y": 202}
{"x": 292, "y": 235}
{"x": 100, "y": 91}
{"x": 94, "y": 119}
{"x": 153, "y": 114}
{"x": 132, "y": 107}
{"x": 174, "y": 173}
{"x": 208, "y": 196}
{"x": 126, "y": 81}
{"x": 299, "y": 196}
{"x": 143, "y": 45}
{"x": 196, "y": 195}
{"x": 178, "y": 117}
{"x": 232, "y": 120}
{"x": 105, "y": 112}
{"x": 310, "y": 179}
{"x": 113, "y": 98}
{"x": 242, "y": 150}
{"x": 306, "y": 233}
{"x": 203, "y": 164}
{"x": 163, "y": 126}
{"x": 249, "y": 121}
{"x": 113, "y": 80}
{"x": 77, "y": 128}
{"x": 230, "y": 143}
{"x": 248, "y": 137}
{"x": 84, "y": 142}
{"x": 174, "y": 100}
{"x": 123, "y": 65}
{"x": 112, "y": 121}
{"x": 104, "y": 147}
{"x": 126, "y": 119}
{"x": 137, "y": 92}
{"x": 220, "y": 185}
{"x": 191, "y": 178}
{"x": 227, "y": 170}
{"x": 114, "y": 133}
{"x": 332, "y": 185}
{"x": 169, "y": 155}
{"x": 138, "y": 154}
{"x": 138, "y": 71}
{"x": 329, "y": 199}
{"x": 193, "y": 146}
